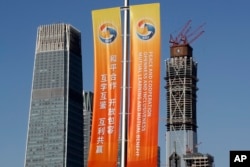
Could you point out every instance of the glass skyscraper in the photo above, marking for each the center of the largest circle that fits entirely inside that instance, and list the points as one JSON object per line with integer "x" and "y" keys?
{"x": 87, "y": 122}
{"x": 55, "y": 129}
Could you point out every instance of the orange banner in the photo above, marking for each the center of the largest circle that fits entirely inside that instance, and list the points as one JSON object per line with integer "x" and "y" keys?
{"x": 107, "y": 87}
{"x": 145, "y": 85}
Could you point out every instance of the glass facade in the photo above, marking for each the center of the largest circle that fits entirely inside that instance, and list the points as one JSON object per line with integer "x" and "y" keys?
{"x": 55, "y": 135}
{"x": 87, "y": 122}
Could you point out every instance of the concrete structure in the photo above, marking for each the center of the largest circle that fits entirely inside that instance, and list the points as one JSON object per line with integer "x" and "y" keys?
{"x": 87, "y": 122}
{"x": 55, "y": 129}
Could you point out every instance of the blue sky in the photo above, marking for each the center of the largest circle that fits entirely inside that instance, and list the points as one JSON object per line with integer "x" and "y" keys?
{"x": 221, "y": 52}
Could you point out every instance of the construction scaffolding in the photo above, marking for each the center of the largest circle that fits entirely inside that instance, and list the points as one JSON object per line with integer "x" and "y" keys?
{"x": 198, "y": 160}
{"x": 181, "y": 85}
{"x": 181, "y": 89}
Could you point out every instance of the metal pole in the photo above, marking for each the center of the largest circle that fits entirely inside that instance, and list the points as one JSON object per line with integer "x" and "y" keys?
{"x": 124, "y": 84}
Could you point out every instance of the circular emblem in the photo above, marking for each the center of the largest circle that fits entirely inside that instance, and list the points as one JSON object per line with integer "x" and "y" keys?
{"x": 145, "y": 29}
{"x": 107, "y": 33}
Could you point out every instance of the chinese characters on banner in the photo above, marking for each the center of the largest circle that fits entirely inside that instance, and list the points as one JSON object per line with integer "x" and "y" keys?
{"x": 142, "y": 143}
{"x": 145, "y": 85}
{"x": 107, "y": 82}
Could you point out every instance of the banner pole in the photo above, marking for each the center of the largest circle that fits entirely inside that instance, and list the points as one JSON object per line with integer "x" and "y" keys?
{"x": 125, "y": 84}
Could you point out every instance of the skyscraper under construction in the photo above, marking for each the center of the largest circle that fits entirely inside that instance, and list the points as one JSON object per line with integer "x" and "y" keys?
{"x": 181, "y": 85}
{"x": 181, "y": 88}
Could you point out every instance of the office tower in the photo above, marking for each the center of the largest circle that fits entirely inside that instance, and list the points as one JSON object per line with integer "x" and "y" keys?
{"x": 181, "y": 77}
{"x": 55, "y": 129}
{"x": 87, "y": 122}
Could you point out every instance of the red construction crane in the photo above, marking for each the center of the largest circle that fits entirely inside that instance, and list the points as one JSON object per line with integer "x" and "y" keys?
{"x": 186, "y": 37}
{"x": 177, "y": 39}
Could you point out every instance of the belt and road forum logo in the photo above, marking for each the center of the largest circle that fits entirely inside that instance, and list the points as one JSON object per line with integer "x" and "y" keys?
{"x": 107, "y": 33}
{"x": 145, "y": 29}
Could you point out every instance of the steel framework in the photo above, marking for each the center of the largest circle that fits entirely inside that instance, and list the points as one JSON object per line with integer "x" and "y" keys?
{"x": 181, "y": 79}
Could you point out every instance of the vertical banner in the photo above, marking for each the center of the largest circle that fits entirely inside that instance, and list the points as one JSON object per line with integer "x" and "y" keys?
{"x": 145, "y": 85}
{"x": 107, "y": 87}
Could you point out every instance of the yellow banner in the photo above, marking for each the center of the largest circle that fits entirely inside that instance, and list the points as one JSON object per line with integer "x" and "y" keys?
{"x": 145, "y": 85}
{"x": 107, "y": 86}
